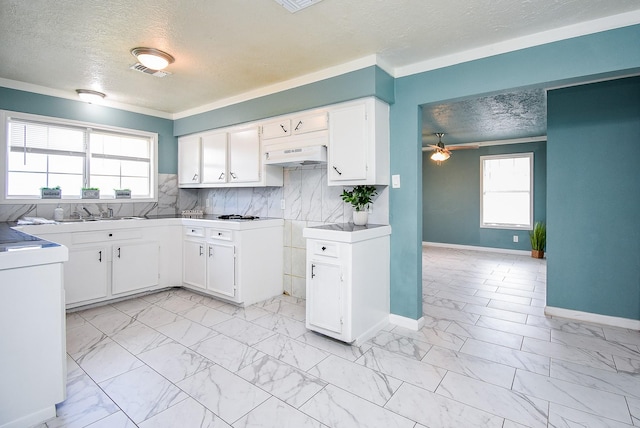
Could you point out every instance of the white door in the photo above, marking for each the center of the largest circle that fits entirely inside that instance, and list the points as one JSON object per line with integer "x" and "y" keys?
{"x": 85, "y": 274}
{"x": 348, "y": 144}
{"x": 244, "y": 156}
{"x": 324, "y": 297}
{"x": 214, "y": 158}
{"x": 221, "y": 269}
{"x": 189, "y": 160}
{"x": 194, "y": 267}
{"x": 135, "y": 266}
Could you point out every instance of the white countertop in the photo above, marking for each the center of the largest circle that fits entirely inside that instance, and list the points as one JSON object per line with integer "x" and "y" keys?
{"x": 346, "y": 232}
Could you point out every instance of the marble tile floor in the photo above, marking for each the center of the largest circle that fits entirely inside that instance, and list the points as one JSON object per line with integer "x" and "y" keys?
{"x": 486, "y": 357}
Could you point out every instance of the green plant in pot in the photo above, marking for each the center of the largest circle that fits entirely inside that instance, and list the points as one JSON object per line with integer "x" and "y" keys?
{"x": 360, "y": 197}
{"x": 538, "y": 238}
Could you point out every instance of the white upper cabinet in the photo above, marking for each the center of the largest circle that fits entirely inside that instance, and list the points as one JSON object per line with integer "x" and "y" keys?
{"x": 359, "y": 143}
{"x": 309, "y": 123}
{"x": 214, "y": 158}
{"x": 244, "y": 156}
{"x": 229, "y": 157}
{"x": 276, "y": 129}
{"x": 300, "y": 123}
{"x": 189, "y": 160}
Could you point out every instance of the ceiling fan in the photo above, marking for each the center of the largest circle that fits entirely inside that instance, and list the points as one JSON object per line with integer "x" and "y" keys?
{"x": 442, "y": 153}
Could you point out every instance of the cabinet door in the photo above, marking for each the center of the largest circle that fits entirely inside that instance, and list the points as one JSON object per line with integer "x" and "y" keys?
{"x": 348, "y": 144}
{"x": 279, "y": 128}
{"x": 324, "y": 297}
{"x": 85, "y": 274}
{"x": 309, "y": 123}
{"x": 221, "y": 269}
{"x": 189, "y": 160}
{"x": 194, "y": 267}
{"x": 135, "y": 266}
{"x": 244, "y": 156}
{"x": 214, "y": 158}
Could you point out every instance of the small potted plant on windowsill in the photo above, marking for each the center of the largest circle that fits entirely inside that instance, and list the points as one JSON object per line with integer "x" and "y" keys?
{"x": 360, "y": 198}
{"x": 538, "y": 238}
{"x": 90, "y": 193}
{"x": 50, "y": 192}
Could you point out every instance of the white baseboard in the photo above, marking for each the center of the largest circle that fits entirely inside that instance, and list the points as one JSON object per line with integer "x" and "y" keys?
{"x": 592, "y": 318}
{"x": 474, "y": 248}
{"x": 371, "y": 332}
{"x": 405, "y": 322}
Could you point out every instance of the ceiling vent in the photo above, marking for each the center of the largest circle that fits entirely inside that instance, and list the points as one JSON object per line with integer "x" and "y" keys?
{"x": 146, "y": 70}
{"x": 295, "y": 5}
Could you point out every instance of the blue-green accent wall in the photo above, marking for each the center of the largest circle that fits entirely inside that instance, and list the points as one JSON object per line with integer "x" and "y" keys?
{"x": 593, "y": 241}
{"x": 366, "y": 82}
{"x": 44, "y": 105}
{"x": 606, "y": 54}
{"x": 451, "y": 198}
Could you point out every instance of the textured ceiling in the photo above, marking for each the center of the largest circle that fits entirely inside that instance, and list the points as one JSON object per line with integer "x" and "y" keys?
{"x": 225, "y": 48}
{"x": 507, "y": 116}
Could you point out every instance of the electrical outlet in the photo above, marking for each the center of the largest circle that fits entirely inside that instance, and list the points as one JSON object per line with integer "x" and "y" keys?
{"x": 207, "y": 202}
{"x": 281, "y": 204}
{"x": 515, "y": 238}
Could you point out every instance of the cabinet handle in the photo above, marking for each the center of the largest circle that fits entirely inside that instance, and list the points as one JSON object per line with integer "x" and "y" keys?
{"x": 312, "y": 272}
{"x": 201, "y": 250}
{"x": 210, "y": 248}
{"x": 118, "y": 252}
{"x": 337, "y": 170}
{"x": 195, "y": 177}
{"x": 233, "y": 175}
{"x": 283, "y": 128}
{"x": 221, "y": 176}
{"x": 323, "y": 248}
{"x": 298, "y": 126}
{"x": 100, "y": 256}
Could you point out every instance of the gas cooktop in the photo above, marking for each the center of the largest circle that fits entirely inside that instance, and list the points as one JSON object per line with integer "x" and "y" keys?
{"x": 237, "y": 217}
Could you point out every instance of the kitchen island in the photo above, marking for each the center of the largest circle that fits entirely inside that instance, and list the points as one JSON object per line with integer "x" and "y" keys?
{"x": 32, "y": 343}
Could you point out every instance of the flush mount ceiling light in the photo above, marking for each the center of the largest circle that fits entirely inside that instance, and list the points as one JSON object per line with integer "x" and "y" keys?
{"x": 152, "y": 58}
{"x": 90, "y": 96}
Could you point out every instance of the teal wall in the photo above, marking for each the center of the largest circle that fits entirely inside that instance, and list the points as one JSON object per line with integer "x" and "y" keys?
{"x": 606, "y": 54}
{"x": 594, "y": 199}
{"x": 44, "y": 105}
{"x": 366, "y": 82}
{"x": 451, "y": 198}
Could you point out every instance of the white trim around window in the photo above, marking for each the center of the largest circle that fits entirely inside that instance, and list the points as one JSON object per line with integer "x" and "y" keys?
{"x": 506, "y": 191}
{"x": 80, "y": 154}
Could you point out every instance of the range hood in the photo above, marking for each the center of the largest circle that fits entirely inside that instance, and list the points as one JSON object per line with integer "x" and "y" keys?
{"x": 310, "y": 155}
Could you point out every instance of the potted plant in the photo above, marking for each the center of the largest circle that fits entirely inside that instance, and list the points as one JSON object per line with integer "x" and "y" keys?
{"x": 50, "y": 192}
{"x": 90, "y": 193}
{"x": 538, "y": 238}
{"x": 360, "y": 198}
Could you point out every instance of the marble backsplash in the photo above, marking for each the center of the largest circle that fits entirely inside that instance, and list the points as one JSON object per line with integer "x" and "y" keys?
{"x": 308, "y": 201}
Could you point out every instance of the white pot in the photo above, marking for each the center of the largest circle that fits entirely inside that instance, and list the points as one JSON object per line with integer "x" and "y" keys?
{"x": 360, "y": 218}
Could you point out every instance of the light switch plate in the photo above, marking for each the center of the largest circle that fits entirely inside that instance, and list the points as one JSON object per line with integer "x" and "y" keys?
{"x": 395, "y": 181}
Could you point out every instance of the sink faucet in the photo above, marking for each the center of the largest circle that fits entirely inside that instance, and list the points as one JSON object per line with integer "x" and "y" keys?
{"x": 87, "y": 211}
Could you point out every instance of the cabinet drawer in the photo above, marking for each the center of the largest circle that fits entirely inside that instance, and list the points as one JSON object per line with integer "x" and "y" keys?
{"x": 194, "y": 231}
{"x": 323, "y": 248}
{"x": 105, "y": 236}
{"x": 221, "y": 234}
{"x": 280, "y": 128}
{"x": 309, "y": 123}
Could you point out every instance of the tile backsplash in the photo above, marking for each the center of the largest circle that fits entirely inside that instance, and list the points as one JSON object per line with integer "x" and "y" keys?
{"x": 305, "y": 195}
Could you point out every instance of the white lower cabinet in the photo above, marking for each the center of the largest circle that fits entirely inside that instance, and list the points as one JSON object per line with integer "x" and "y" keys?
{"x": 85, "y": 273}
{"x": 347, "y": 280}
{"x": 135, "y": 266}
{"x": 242, "y": 264}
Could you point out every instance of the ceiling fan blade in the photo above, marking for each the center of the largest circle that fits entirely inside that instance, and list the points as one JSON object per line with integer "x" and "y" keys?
{"x": 462, "y": 147}
{"x": 429, "y": 147}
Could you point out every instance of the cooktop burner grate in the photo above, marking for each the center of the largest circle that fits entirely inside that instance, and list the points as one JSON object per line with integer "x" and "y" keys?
{"x": 237, "y": 217}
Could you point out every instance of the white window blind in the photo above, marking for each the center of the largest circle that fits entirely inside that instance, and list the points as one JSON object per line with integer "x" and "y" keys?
{"x": 43, "y": 153}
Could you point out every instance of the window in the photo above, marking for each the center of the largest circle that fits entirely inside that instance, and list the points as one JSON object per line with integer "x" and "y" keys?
{"x": 506, "y": 185}
{"x": 48, "y": 152}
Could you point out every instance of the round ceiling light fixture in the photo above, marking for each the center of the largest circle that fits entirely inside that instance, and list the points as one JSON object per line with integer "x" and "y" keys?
{"x": 152, "y": 58}
{"x": 90, "y": 96}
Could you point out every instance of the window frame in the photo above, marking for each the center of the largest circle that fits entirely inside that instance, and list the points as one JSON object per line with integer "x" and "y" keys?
{"x": 5, "y": 115}
{"x": 505, "y": 226}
